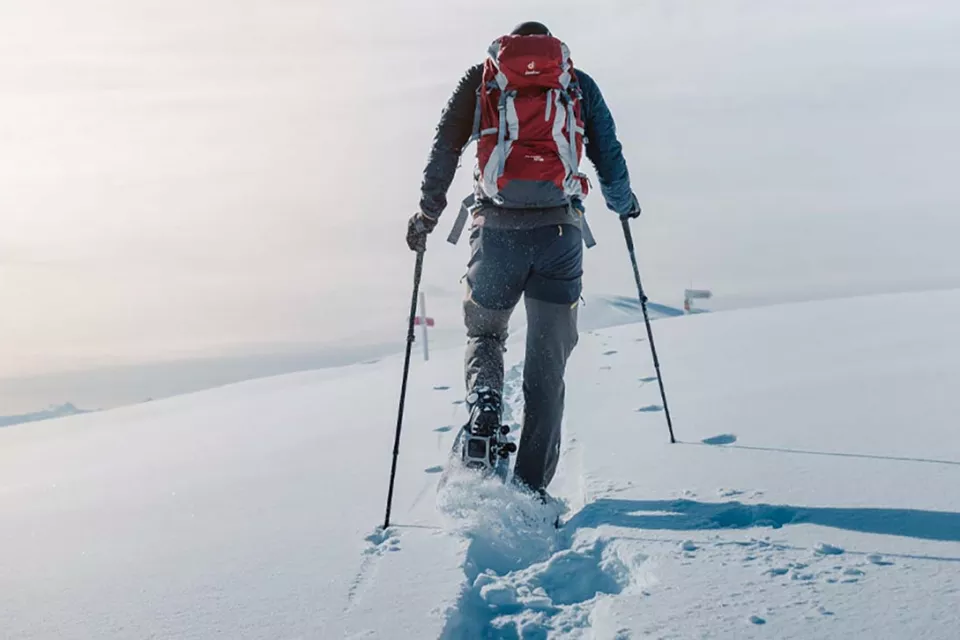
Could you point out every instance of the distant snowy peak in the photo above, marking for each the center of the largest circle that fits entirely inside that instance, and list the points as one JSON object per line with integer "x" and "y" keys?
{"x": 54, "y": 411}
{"x": 604, "y": 311}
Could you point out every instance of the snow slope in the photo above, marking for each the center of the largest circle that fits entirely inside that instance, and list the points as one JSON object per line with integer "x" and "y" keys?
{"x": 111, "y": 387}
{"x": 812, "y": 495}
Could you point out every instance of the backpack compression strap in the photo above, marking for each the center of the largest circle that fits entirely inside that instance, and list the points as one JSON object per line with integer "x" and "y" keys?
{"x": 466, "y": 209}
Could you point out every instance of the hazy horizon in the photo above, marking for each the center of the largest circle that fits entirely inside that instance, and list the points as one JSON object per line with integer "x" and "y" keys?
{"x": 183, "y": 180}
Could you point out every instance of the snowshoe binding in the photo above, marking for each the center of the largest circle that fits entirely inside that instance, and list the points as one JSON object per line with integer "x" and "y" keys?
{"x": 483, "y": 443}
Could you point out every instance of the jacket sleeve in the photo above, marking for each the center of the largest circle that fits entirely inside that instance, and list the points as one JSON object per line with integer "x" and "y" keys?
{"x": 604, "y": 150}
{"x": 453, "y": 133}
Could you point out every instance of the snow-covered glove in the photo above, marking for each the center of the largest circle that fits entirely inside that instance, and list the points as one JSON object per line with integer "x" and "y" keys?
{"x": 417, "y": 229}
{"x": 634, "y": 209}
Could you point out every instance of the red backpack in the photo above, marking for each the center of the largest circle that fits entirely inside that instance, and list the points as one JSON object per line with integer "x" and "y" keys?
{"x": 528, "y": 126}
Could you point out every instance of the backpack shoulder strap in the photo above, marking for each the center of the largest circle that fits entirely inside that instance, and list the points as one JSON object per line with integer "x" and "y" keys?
{"x": 476, "y": 117}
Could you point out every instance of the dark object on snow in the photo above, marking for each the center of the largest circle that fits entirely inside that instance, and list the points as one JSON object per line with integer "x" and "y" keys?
{"x": 628, "y": 236}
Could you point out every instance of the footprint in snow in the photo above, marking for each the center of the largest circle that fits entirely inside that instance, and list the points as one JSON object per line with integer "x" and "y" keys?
{"x": 445, "y": 429}
{"x": 610, "y": 352}
{"x": 824, "y": 549}
{"x": 879, "y": 560}
{"x": 729, "y": 493}
{"x": 441, "y": 387}
{"x": 724, "y": 438}
{"x": 380, "y": 541}
{"x": 650, "y": 408}
{"x": 458, "y": 402}
{"x": 648, "y": 380}
{"x": 437, "y": 469}
{"x": 380, "y": 537}
{"x": 533, "y": 597}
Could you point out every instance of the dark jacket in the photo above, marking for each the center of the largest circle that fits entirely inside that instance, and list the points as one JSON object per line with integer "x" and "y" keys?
{"x": 456, "y": 127}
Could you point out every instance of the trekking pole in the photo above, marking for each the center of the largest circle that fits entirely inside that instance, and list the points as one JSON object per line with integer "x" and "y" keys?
{"x": 628, "y": 236}
{"x": 417, "y": 272}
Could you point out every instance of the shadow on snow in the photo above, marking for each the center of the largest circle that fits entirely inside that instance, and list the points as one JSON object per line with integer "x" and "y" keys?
{"x": 689, "y": 515}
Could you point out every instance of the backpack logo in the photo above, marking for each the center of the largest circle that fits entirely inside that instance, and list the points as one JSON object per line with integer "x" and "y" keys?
{"x": 532, "y": 68}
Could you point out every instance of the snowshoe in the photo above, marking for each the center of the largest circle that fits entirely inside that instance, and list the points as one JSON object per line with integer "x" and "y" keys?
{"x": 483, "y": 442}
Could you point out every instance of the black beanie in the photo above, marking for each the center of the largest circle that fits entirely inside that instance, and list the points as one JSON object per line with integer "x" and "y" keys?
{"x": 531, "y": 29}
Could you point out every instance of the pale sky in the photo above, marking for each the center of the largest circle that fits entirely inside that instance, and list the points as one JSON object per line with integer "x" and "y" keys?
{"x": 223, "y": 176}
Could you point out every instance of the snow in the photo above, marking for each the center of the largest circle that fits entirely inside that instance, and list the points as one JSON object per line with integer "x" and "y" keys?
{"x": 181, "y": 157}
{"x": 111, "y": 387}
{"x": 812, "y": 494}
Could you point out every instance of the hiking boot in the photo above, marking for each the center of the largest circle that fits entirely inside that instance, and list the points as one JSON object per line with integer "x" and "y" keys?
{"x": 485, "y": 408}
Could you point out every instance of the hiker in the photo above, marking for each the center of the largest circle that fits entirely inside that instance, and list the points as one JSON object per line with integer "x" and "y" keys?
{"x": 533, "y": 116}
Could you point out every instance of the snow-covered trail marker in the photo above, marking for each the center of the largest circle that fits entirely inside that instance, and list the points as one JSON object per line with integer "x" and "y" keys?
{"x": 425, "y": 322}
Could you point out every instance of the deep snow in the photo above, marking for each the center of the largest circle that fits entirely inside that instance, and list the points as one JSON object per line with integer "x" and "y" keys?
{"x": 812, "y": 494}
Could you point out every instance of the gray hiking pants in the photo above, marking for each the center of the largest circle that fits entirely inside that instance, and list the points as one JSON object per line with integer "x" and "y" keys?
{"x": 544, "y": 266}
